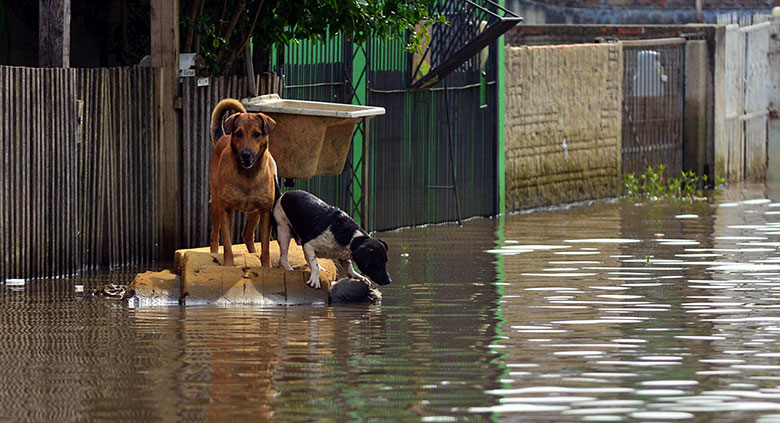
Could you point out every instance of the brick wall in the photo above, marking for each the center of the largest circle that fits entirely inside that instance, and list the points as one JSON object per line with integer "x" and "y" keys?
{"x": 562, "y": 124}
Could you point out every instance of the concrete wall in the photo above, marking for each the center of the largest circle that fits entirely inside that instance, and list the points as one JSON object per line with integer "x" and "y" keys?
{"x": 698, "y": 152}
{"x": 563, "y": 117}
{"x": 700, "y": 68}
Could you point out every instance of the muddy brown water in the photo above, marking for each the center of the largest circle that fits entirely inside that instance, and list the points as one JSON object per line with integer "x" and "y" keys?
{"x": 610, "y": 311}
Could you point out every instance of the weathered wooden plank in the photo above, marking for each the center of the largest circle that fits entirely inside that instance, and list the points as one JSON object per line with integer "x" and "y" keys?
{"x": 165, "y": 55}
{"x": 54, "y": 33}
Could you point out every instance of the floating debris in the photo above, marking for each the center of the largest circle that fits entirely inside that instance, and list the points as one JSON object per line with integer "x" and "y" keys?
{"x": 353, "y": 291}
{"x": 115, "y": 291}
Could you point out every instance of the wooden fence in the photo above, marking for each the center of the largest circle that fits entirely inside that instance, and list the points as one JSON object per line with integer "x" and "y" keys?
{"x": 741, "y": 99}
{"x": 79, "y": 188}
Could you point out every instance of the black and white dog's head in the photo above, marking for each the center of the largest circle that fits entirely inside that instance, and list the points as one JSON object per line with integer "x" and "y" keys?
{"x": 370, "y": 256}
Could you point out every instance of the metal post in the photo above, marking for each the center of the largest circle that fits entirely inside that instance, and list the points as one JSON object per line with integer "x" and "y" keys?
{"x": 452, "y": 152}
{"x": 364, "y": 194}
{"x": 250, "y": 69}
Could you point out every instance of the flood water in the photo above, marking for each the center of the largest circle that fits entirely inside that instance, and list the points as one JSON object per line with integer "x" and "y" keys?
{"x": 610, "y": 311}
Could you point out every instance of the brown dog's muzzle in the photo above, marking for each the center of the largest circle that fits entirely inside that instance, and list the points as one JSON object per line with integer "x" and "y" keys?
{"x": 247, "y": 159}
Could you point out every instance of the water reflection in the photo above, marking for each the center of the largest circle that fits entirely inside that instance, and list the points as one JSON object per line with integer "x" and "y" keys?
{"x": 424, "y": 354}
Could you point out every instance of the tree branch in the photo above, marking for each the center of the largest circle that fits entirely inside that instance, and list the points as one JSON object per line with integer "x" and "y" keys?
{"x": 246, "y": 39}
{"x": 229, "y": 31}
{"x": 197, "y": 8}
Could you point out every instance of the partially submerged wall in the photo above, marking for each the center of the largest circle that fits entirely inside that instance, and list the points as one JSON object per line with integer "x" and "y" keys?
{"x": 563, "y": 117}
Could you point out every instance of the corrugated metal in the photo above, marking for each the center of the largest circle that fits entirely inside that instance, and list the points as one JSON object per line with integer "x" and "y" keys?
{"x": 118, "y": 166}
{"x": 653, "y": 101}
{"x": 410, "y": 147}
{"x": 38, "y": 172}
{"x": 71, "y": 199}
{"x": 197, "y": 105}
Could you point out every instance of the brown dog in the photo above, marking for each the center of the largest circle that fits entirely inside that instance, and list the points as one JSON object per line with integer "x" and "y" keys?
{"x": 241, "y": 177}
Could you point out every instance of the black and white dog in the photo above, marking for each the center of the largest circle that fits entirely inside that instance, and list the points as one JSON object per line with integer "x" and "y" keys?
{"x": 327, "y": 232}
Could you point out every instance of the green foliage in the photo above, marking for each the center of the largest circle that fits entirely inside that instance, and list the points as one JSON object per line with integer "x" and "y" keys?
{"x": 654, "y": 185}
{"x": 293, "y": 20}
{"x": 219, "y": 29}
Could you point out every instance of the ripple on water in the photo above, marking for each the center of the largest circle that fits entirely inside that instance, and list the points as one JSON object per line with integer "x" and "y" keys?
{"x": 662, "y": 415}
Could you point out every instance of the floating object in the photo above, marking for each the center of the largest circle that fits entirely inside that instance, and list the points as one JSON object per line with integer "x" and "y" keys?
{"x": 310, "y": 137}
{"x": 198, "y": 277}
{"x": 14, "y": 282}
{"x": 113, "y": 290}
{"x": 79, "y": 288}
{"x": 348, "y": 291}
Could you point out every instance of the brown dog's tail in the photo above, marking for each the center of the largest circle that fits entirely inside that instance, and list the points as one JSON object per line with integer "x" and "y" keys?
{"x": 219, "y": 111}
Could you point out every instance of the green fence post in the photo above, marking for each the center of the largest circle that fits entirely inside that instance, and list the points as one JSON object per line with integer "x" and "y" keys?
{"x": 359, "y": 92}
{"x": 500, "y": 99}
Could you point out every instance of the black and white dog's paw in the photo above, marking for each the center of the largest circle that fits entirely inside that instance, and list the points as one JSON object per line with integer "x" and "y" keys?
{"x": 314, "y": 281}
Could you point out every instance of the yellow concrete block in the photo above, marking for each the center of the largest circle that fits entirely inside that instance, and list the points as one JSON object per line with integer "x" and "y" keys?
{"x": 156, "y": 288}
{"x": 206, "y": 281}
{"x": 295, "y": 257}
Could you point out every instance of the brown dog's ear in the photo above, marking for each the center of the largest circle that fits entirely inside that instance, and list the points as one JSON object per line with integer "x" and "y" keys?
{"x": 267, "y": 122}
{"x": 230, "y": 123}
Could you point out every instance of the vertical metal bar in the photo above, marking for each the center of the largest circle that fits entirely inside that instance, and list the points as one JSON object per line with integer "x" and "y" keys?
{"x": 452, "y": 153}
{"x": 364, "y": 212}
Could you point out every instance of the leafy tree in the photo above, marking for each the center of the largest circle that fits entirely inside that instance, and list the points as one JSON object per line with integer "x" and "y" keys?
{"x": 220, "y": 29}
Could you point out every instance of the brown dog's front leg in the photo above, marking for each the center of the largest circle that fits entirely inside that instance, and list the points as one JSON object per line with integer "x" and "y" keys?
{"x": 227, "y": 226}
{"x": 249, "y": 231}
{"x": 217, "y": 214}
{"x": 265, "y": 240}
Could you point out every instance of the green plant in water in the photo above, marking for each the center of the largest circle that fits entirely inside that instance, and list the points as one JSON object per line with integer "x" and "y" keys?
{"x": 404, "y": 250}
{"x": 654, "y": 184}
